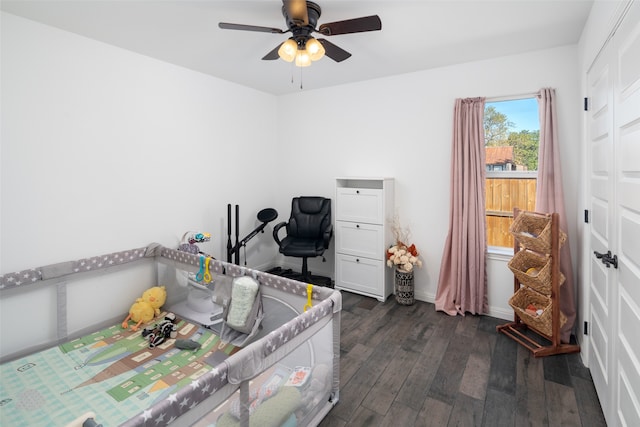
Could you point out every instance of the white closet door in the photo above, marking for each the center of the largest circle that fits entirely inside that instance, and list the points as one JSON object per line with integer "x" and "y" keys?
{"x": 627, "y": 219}
{"x": 601, "y": 165}
{"x": 614, "y": 123}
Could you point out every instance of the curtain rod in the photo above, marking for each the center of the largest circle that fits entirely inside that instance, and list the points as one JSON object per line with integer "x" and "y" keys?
{"x": 511, "y": 97}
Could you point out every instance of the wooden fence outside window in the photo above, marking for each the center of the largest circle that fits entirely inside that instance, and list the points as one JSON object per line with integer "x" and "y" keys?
{"x": 502, "y": 195}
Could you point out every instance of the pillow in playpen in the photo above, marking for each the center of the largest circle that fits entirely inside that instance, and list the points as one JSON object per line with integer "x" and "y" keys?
{"x": 244, "y": 305}
{"x": 274, "y": 412}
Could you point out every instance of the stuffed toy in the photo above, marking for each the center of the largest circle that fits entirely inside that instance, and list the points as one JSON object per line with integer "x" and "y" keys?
{"x": 155, "y": 296}
{"x": 167, "y": 328}
{"x": 146, "y": 308}
{"x": 140, "y": 312}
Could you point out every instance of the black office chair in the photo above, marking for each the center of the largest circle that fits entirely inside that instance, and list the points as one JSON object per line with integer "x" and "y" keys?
{"x": 309, "y": 230}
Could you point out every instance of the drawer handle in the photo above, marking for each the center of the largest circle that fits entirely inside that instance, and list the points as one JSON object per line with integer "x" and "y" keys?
{"x": 357, "y": 225}
{"x": 357, "y": 191}
{"x": 357, "y": 259}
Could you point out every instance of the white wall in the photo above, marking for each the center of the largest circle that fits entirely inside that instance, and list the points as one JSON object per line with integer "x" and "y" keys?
{"x": 105, "y": 150}
{"x": 401, "y": 127}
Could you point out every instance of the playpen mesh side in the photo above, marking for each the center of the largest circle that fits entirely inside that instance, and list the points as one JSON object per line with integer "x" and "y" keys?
{"x": 280, "y": 351}
{"x": 293, "y": 384}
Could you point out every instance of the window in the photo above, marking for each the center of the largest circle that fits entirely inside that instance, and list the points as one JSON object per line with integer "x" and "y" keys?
{"x": 512, "y": 135}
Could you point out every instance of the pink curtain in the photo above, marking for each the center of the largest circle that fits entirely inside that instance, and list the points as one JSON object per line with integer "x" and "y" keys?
{"x": 462, "y": 286}
{"x": 550, "y": 197}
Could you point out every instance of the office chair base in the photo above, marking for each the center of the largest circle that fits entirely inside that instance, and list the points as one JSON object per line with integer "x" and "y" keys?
{"x": 312, "y": 278}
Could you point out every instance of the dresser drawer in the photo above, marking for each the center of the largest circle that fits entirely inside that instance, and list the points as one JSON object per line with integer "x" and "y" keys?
{"x": 360, "y": 239}
{"x": 360, "y": 205}
{"x": 360, "y": 275}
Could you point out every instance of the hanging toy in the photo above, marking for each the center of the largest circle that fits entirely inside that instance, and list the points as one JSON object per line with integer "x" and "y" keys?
{"x": 200, "y": 274}
{"x": 207, "y": 272}
{"x": 204, "y": 274}
{"x": 309, "y": 293}
{"x": 190, "y": 239}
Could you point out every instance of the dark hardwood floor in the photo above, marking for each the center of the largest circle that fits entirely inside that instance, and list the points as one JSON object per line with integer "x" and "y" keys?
{"x": 412, "y": 366}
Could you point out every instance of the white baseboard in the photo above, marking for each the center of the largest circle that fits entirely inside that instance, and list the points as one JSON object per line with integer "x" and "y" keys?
{"x": 497, "y": 312}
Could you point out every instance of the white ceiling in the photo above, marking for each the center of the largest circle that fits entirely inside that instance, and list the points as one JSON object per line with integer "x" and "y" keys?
{"x": 415, "y": 35}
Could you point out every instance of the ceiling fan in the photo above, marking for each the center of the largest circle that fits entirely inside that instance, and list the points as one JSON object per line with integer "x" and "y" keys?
{"x": 301, "y": 18}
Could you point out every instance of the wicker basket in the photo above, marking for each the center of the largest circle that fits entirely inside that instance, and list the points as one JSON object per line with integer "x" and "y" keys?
{"x": 533, "y": 231}
{"x": 523, "y": 260}
{"x": 543, "y": 322}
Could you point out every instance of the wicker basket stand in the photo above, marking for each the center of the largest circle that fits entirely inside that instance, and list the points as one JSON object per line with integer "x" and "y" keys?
{"x": 537, "y": 281}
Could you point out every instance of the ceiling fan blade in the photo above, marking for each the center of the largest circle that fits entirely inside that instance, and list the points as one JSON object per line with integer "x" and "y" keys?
{"x": 272, "y": 55}
{"x": 357, "y": 25}
{"x": 297, "y": 11}
{"x": 229, "y": 26}
{"x": 334, "y": 52}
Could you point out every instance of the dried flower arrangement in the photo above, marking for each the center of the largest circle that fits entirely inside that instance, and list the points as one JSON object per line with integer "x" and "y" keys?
{"x": 401, "y": 255}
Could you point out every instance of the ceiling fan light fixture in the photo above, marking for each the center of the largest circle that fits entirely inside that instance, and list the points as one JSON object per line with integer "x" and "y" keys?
{"x": 288, "y": 50}
{"x": 315, "y": 49}
{"x": 302, "y": 58}
{"x": 301, "y": 17}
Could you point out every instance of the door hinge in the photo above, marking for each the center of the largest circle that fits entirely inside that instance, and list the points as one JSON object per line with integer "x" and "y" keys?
{"x": 586, "y": 328}
{"x": 586, "y": 104}
{"x": 586, "y": 216}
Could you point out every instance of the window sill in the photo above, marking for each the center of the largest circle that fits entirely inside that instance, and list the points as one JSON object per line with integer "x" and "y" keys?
{"x": 499, "y": 253}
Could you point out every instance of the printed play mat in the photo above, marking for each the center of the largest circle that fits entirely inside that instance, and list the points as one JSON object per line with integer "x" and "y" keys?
{"x": 112, "y": 372}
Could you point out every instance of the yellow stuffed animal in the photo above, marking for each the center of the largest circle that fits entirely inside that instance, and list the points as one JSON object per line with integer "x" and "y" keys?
{"x": 155, "y": 296}
{"x": 146, "y": 308}
{"x": 140, "y": 312}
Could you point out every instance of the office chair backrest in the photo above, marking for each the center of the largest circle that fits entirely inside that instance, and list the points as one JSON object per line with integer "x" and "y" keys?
{"x": 310, "y": 216}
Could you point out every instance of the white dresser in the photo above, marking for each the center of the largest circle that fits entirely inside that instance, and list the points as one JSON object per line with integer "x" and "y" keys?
{"x": 363, "y": 207}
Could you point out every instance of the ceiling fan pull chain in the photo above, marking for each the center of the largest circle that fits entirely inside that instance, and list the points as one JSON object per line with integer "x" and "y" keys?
{"x": 293, "y": 70}
{"x": 301, "y": 78}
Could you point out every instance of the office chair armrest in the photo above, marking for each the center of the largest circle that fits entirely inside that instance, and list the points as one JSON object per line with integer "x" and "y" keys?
{"x": 277, "y": 228}
{"x": 328, "y": 233}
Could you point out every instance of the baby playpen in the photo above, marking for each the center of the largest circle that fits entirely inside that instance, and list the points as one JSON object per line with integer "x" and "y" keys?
{"x": 287, "y": 375}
